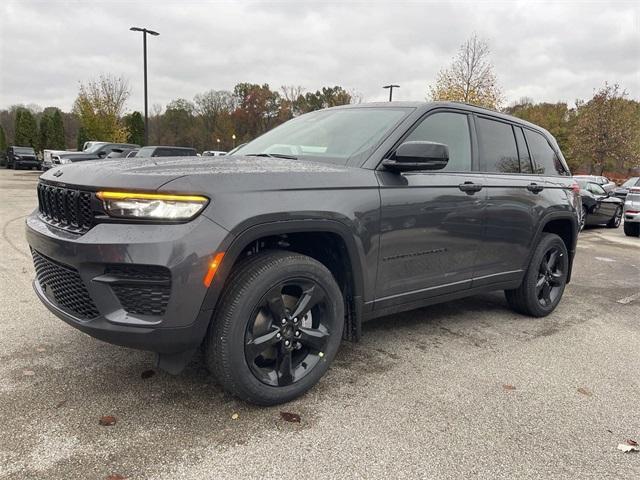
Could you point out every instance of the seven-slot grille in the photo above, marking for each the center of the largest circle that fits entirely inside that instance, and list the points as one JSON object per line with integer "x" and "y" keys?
{"x": 66, "y": 208}
{"x": 64, "y": 284}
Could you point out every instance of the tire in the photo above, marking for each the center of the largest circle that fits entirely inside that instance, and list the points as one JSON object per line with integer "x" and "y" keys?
{"x": 616, "y": 219}
{"x": 538, "y": 280}
{"x": 233, "y": 338}
{"x": 583, "y": 218}
{"x": 632, "y": 229}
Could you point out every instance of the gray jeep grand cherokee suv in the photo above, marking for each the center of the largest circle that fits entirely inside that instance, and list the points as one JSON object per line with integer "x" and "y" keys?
{"x": 269, "y": 257}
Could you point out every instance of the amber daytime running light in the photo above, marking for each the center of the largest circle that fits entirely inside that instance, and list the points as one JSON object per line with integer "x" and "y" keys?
{"x": 152, "y": 206}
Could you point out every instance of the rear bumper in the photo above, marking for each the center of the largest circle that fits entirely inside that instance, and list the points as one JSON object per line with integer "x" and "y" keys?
{"x": 185, "y": 250}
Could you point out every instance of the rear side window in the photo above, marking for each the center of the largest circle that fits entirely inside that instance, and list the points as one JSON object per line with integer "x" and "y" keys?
{"x": 497, "y": 146}
{"x": 523, "y": 151}
{"x": 545, "y": 158}
{"x": 449, "y": 128}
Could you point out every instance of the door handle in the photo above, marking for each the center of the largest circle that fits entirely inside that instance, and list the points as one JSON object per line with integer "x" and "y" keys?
{"x": 470, "y": 187}
{"x": 534, "y": 187}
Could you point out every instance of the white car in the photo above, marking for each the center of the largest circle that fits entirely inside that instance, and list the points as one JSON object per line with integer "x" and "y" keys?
{"x": 632, "y": 213}
{"x": 213, "y": 153}
{"x": 604, "y": 182}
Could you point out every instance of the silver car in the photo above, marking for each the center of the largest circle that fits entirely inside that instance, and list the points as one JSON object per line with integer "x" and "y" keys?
{"x": 632, "y": 212}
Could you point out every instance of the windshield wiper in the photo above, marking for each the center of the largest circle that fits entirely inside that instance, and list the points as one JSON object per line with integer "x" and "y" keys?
{"x": 273, "y": 155}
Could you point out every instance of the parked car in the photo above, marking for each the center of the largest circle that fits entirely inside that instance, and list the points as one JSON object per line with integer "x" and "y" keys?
{"x": 604, "y": 182}
{"x": 213, "y": 153}
{"x": 598, "y": 206}
{"x": 49, "y": 158}
{"x": 123, "y": 153}
{"x": 632, "y": 212}
{"x": 96, "y": 151}
{"x": 166, "y": 151}
{"x": 22, "y": 157}
{"x": 623, "y": 190}
{"x": 271, "y": 257}
{"x": 87, "y": 145}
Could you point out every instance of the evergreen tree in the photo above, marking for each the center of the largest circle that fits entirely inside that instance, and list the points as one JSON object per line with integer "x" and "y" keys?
{"x": 56, "y": 139}
{"x": 82, "y": 137}
{"x": 134, "y": 124}
{"x": 26, "y": 129}
{"x": 45, "y": 132}
{"x": 3, "y": 145}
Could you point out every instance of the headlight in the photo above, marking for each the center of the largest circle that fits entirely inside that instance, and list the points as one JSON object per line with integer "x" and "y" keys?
{"x": 64, "y": 161}
{"x": 152, "y": 206}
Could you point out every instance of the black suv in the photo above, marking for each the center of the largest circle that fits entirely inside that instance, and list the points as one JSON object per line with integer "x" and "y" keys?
{"x": 22, "y": 157}
{"x": 269, "y": 257}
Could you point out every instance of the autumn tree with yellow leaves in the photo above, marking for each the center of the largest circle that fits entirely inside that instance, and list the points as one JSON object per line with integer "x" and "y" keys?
{"x": 470, "y": 78}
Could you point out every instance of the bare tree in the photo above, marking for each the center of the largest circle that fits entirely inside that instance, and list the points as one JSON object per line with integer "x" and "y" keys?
{"x": 470, "y": 77}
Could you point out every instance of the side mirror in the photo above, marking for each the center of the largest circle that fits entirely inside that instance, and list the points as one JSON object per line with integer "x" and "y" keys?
{"x": 102, "y": 154}
{"x": 418, "y": 155}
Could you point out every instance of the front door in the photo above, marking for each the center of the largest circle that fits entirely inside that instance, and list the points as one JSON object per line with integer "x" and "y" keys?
{"x": 431, "y": 221}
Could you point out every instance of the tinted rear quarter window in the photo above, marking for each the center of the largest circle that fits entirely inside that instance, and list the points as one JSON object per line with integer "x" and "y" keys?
{"x": 451, "y": 129}
{"x": 546, "y": 160}
{"x": 497, "y": 146}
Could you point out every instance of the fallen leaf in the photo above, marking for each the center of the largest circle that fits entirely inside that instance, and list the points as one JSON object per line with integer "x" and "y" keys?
{"x": 107, "y": 421}
{"x": 633, "y": 443}
{"x": 235, "y": 416}
{"x": 628, "y": 448}
{"x": 584, "y": 391}
{"x": 506, "y": 386}
{"x": 40, "y": 349}
{"x": 116, "y": 476}
{"x": 61, "y": 403}
{"x": 290, "y": 417}
{"x": 148, "y": 374}
{"x": 28, "y": 373}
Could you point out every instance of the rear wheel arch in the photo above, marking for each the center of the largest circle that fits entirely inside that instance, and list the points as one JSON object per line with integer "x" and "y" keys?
{"x": 563, "y": 224}
{"x": 328, "y": 241}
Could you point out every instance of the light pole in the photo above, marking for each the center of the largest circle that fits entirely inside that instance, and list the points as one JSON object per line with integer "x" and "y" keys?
{"x": 218, "y": 140}
{"x": 234, "y": 140}
{"x": 391, "y": 87}
{"x": 146, "y": 104}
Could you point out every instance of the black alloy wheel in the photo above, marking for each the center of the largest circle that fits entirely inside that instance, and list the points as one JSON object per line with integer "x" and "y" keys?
{"x": 617, "y": 218}
{"x": 550, "y": 277}
{"x": 289, "y": 333}
{"x": 277, "y": 327}
{"x": 544, "y": 281}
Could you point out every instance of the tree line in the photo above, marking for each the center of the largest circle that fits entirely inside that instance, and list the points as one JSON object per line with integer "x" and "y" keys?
{"x": 601, "y": 134}
{"x": 212, "y": 120}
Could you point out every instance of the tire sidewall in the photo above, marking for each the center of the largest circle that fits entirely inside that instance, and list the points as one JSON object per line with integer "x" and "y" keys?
{"x": 241, "y": 313}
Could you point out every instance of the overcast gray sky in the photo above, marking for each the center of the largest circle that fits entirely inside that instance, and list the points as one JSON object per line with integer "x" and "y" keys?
{"x": 549, "y": 51}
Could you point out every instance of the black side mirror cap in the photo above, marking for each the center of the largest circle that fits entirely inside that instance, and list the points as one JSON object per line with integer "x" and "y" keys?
{"x": 418, "y": 155}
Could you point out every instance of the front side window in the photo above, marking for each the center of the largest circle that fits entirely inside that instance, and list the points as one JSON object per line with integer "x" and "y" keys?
{"x": 451, "y": 129}
{"x": 545, "y": 158}
{"x": 497, "y": 146}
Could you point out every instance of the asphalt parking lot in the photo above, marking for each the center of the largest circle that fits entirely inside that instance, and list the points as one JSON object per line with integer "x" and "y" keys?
{"x": 459, "y": 390}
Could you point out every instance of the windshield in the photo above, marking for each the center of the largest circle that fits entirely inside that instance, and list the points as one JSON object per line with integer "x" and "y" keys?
{"x": 329, "y": 135}
{"x": 24, "y": 150}
{"x": 631, "y": 182}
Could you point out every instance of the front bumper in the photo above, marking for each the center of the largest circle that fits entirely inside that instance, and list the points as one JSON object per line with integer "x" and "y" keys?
{"x": 185, "y": 250}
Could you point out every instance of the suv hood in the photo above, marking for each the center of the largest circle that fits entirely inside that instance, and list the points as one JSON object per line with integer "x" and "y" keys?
{"x": 202, "y": 174}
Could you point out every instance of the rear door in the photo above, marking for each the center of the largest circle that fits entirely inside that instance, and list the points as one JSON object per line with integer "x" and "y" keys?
{"x": 514, "y": 193}
{"x": 431, "y": 221}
